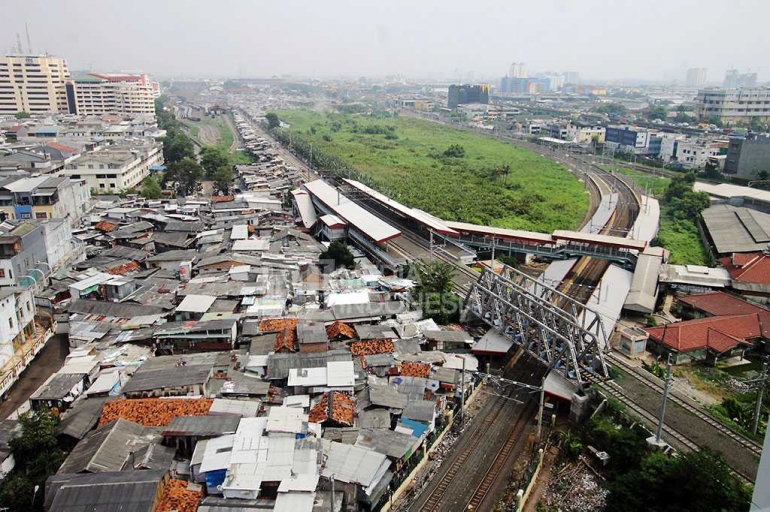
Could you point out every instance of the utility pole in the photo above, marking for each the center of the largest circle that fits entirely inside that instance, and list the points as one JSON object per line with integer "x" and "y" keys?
{"x": 666, "y": 389}
{"x": 760, "y": 392}
{"x": 492, "y": 262}
{"x": 332, "y": 500}
{"x": 462, "y": 395}
{"x": 431, "y": 244}
{"x": 540, "y": 409}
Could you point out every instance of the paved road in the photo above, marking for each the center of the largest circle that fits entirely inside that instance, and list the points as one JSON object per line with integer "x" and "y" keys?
{"x": 47, "y": 362}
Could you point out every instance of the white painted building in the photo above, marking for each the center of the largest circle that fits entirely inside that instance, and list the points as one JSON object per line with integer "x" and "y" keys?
{"x": 116, "y": 168}
{"x": 584, "y": 134}
{"x": 108, "y": 93}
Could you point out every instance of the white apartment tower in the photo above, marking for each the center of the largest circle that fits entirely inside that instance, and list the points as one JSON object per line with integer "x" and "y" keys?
{"x": 696, "y": 77}
{"x": 106, "y": 93}
{"x": 517, "y": 70}
{"x": 32, "y": 83}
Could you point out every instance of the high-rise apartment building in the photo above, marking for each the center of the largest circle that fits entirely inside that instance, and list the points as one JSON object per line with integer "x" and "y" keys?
{"x": 731, "y": 78}
{"x": 696, "y": 77}
{"x": 517, "y": 70}
{"x": 572, "y": 77}
{"x": 103, "y": 93}
{"x": 32, "y": 83}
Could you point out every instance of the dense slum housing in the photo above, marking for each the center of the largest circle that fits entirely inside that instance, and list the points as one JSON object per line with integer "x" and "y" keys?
{"x": 214, "y": 362}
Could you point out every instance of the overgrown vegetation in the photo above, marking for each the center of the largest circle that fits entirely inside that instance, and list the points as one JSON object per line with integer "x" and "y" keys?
{"x": 37, "y": 455}
{"x": 434, "y": 291}
{"x": 641, "y": 480}
{"x": 340, "y": 254}
{"x": 450, "y": 173}
{"x": 679, "y": 209}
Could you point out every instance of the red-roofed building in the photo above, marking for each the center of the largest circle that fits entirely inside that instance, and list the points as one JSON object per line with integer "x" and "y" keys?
{"x": 706, "y": 338}
{"x": 724, "y": 304}
{"x": 750, "y": 273}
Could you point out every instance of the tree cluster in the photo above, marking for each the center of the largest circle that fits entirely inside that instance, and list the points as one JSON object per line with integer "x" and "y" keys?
{"x": 37, "y": 455}
{"x": 433, "y": 291}
{"x": 340, "y": 254}
{"x": 640, "y": 480}
{"x": 683, "y": 202}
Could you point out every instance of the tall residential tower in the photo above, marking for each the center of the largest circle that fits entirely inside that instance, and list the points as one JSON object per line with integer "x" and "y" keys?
{"x": 32, "y": 84}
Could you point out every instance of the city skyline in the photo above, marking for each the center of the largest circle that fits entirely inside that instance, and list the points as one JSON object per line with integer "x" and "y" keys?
{"x": 239, "y": 39}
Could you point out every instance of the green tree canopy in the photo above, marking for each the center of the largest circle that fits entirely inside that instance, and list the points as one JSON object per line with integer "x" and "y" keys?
{"x": 434, "y": 291}
{"x": 177, "y": 146}
{"x": 340, "y": 254}
{"x": 223, "y": 179}
{"x": 611, "y": 108}
{"x": 212, "y": 159}
{"x": 658, "y": 112}
{"x": 186, "y": 173}
{"x": 272, "y": 120}
{"x": 37, "y": 456}
{"x": 22, "y": 115}
{"x": 151, "y": 189}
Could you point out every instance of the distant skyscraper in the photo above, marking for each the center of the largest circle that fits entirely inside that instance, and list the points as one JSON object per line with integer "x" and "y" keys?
{"x": 518, "y": 70}
{"x": 747, "y": 80}
{"x": 572, "y": 77}
{"x": 731, "y": 78}
{"x": 696, "y": 77}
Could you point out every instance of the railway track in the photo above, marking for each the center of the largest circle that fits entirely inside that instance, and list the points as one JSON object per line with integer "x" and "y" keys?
{"x": 482, "y": 490}
{"x": 452, "y": 480}
{"x": 657, "y": 386}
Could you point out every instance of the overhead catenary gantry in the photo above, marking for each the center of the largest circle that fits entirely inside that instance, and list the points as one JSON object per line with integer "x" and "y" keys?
{"x": 548, "y": 324}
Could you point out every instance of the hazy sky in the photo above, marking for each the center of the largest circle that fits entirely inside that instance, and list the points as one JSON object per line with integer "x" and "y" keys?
{"x": 604, "y": 39}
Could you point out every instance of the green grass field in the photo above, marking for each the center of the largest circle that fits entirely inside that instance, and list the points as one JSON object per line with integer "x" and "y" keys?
{"x": 678, "y": 236}
{"x": 404, "y": 158}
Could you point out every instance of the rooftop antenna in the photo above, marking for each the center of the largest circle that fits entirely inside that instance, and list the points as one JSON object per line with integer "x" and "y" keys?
{"x": 29, "y": 41}
{"x": 19, "y": 49}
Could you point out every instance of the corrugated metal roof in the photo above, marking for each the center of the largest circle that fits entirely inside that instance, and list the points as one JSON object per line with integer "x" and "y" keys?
{"x": 365, "y": 222}
{"x": 354, "y": 464}
{"x": 294, "y": 502}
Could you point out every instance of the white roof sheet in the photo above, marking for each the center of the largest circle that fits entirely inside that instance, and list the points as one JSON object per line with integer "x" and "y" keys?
{"x": 280, "y": 456}
{"x": 239, "y": 232}
{"x": 260, "y": 244}
{"x": 196, "y": 303}
{"x": 602, "y": 215}
{"x": 294, "y": 502}
{"x": 647, "y": 222}
{"x": 353, "y": 464}
{"x": 305, "y": 207}
{"x": 608, "y": 299}
{"x": 217, "y": 453}
{"x": 257, "y": 361}
{"x": 88, "y": 282}
{"x": 305, "y": 482}
{"x": 644, "y": 284}
{"x": 727, "y": 190}
{"x": 347, "y": 298}
{"x": 430, "y": 221}
{"x": 340, "y": 374}
{"x": 243, "y": 408}
{"x": 105, "y": 382}
{"x": 305, "y": 460}
{"x": 365, "y": 222}
{"x": 307, "y": 377}
{"x": 285, "y": 419}
{"x": 493, "y": 341}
